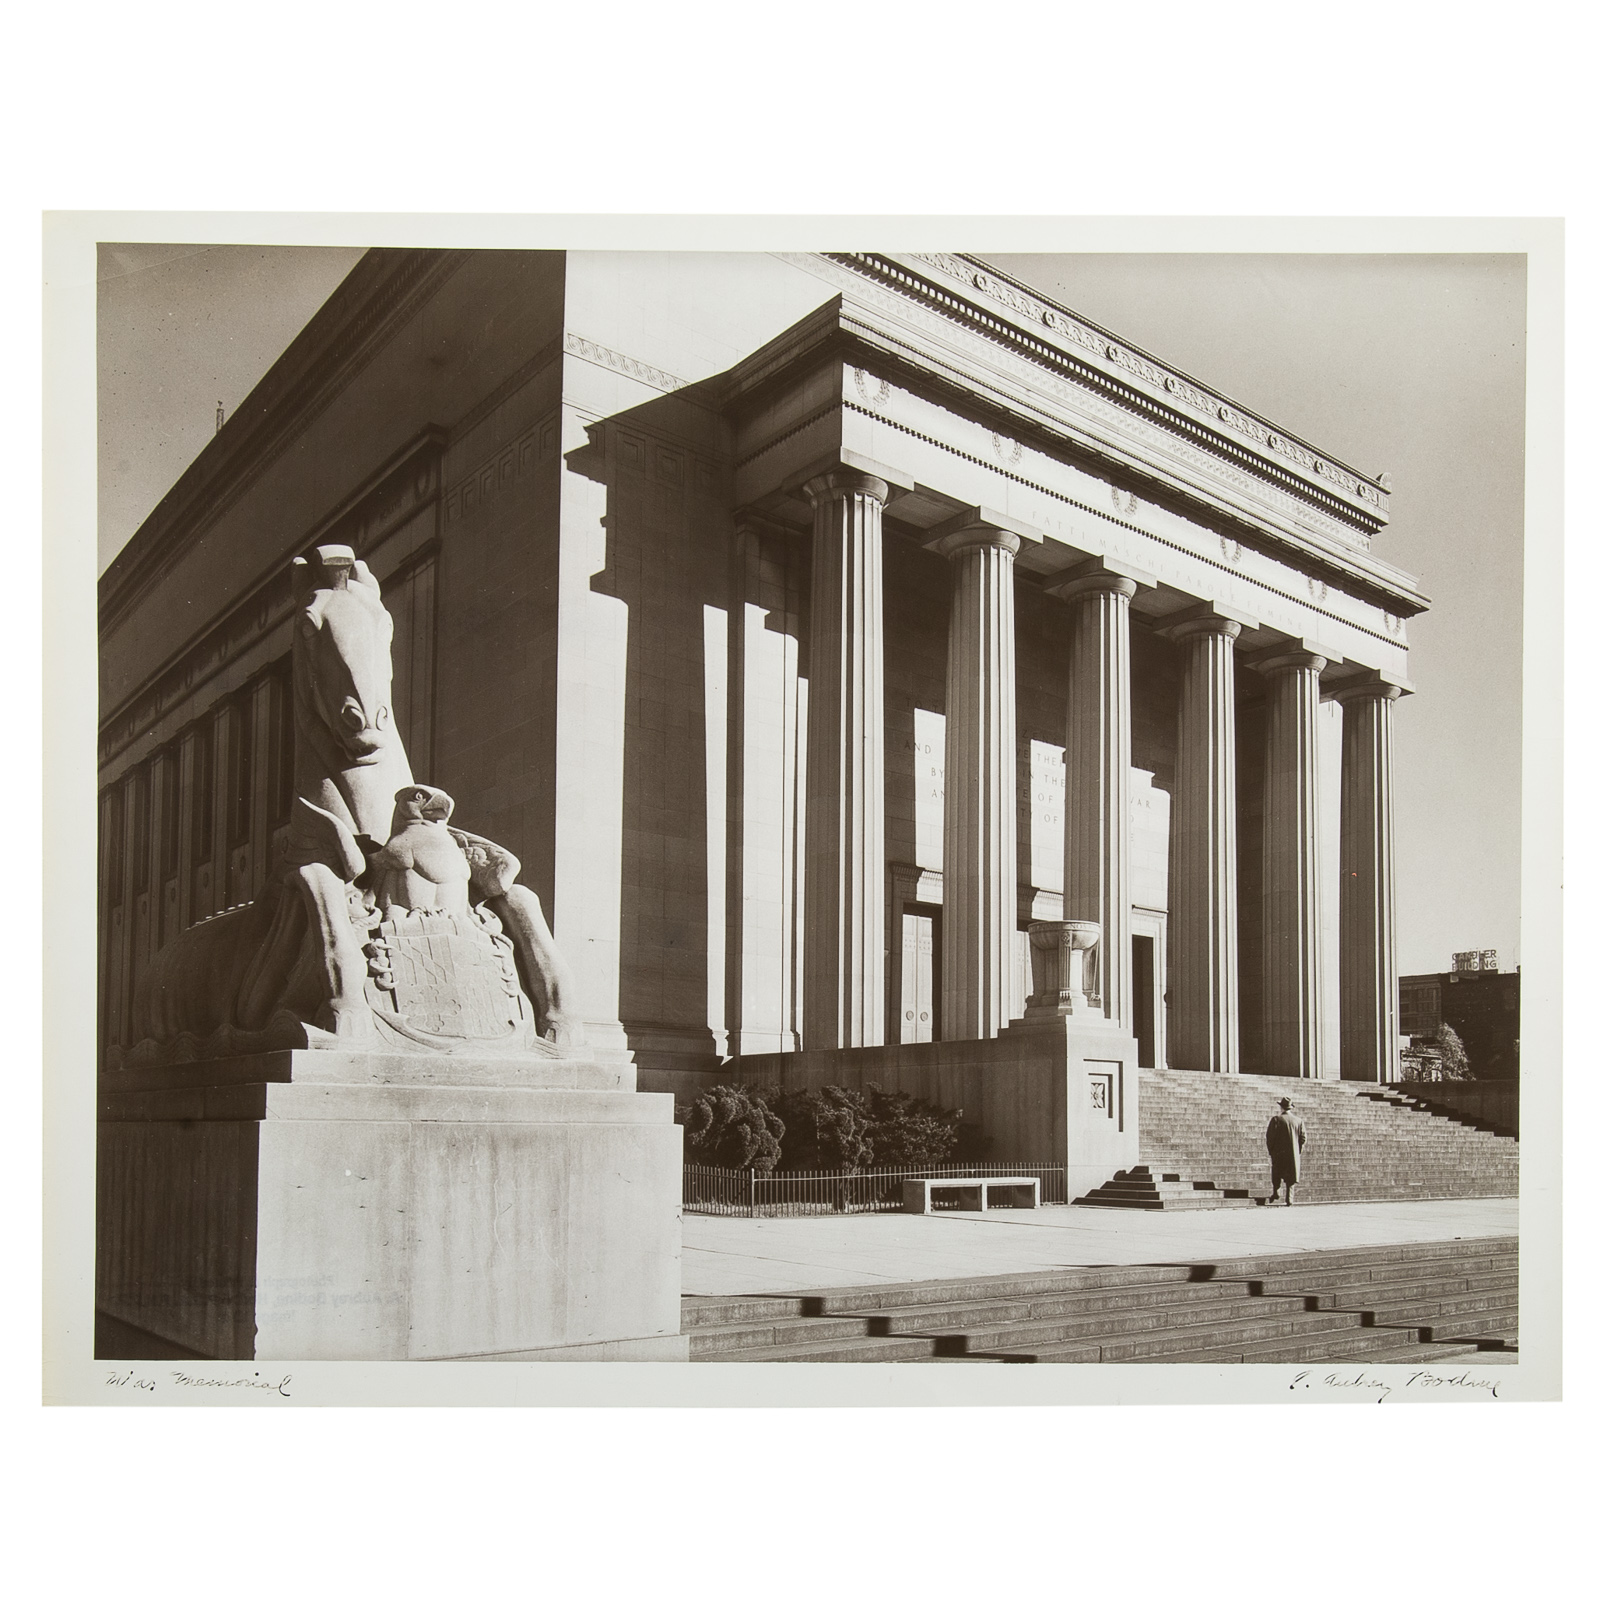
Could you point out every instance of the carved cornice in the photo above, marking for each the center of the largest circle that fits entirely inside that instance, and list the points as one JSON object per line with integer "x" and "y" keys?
{"x": 383, "y": 289}
{"x": 1095, "y": 358}
{"x": 1356, "y": 584}
{"x": 1323, "y": 539}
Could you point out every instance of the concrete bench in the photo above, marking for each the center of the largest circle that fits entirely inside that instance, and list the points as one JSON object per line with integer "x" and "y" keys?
{"x": 972, "y": 1194}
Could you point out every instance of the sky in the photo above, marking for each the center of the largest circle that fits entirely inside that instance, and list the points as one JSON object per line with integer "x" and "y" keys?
{"x": 182, "y": 328}
{"x": 1410, "y": 365}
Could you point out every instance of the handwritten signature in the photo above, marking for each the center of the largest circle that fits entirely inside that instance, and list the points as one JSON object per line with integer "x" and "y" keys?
{"x": 1372, "y": 1384}
{"x": 190, "y": 1380}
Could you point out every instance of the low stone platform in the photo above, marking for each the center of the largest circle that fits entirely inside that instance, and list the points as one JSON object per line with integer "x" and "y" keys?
{"x": 792, "y": 1255}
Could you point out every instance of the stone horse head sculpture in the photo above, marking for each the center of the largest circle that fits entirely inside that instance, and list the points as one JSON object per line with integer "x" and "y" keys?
{"x": 348, "y": 756}
{"x": 331, "y": 954}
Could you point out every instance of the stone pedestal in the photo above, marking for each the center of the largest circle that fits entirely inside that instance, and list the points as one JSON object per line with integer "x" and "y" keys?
{"x": 1096, "y": 1059}
{"x": 318, "y": 1205}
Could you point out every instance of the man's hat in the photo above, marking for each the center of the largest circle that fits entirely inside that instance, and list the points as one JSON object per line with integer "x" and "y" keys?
{"x": 1284, "y": 1104}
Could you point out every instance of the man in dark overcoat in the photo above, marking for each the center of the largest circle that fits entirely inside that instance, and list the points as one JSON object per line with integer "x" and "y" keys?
{"x": 1286, "y": 1139}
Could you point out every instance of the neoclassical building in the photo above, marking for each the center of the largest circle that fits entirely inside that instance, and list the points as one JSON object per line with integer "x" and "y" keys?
{"x": 810, "y": 626}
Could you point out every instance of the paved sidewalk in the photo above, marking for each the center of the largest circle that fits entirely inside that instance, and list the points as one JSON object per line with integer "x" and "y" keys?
{"x": 742, "y": 1255}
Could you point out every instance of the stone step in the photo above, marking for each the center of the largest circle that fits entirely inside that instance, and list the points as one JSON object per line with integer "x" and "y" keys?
{"x": 1361, "y": 1344}
{"x": 1378, "y": 1276}
{"x": 1455, "y": 1350}
{"x": 1175, "y": 1325}
{"x": 1158, "y": 1305}
{"x": 1474, "y": 1325}
{"x": 1157, "y": 1201}
{"x": 1332, "y": 1305}
{"x": 712, "y": 1311}
{"x": 846, "y": 1350}
{"x": 1223, "y": 1343}
{"x": 1437, "y": 1299}
{"x": 772, "y": 1335}
{"x": 1004, "y": 1318}
{"x": 1160, "y": 1189}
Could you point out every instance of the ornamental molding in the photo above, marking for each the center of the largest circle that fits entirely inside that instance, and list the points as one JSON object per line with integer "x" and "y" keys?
{"x": 1312, "y": 512}
{"x": 1232, "y": 549}
{"x": 628, "y": 366}
{"x": 1212, "y": 406}
{"x": 473, "y": 488}
{"x": 1307, "y": 518}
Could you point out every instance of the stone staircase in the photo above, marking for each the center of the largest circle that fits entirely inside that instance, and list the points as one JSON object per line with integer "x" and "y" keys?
{"x": 1363, "y": 1141}
{"x": 1141, "y": 1189}
{"x": 1388, "y": 1303}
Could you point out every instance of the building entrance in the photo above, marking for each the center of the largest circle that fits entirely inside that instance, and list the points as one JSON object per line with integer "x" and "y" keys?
{"x": 919, "y": 974}
{"x": 1144, "y": 998}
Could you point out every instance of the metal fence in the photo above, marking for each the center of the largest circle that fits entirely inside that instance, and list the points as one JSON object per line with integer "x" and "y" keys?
{"x": 744, "y": 1192}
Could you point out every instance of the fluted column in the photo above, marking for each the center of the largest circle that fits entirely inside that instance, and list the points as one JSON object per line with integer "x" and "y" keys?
{"x": 1369, "y": 979}
{"x": 1204, "y": 940}
{"x": 980, "y": 784}
{"x": 1095, "y": 867}
{"x": 844, "y": 945}
{"x": 1291, "y": 897}
{"x": 765, "y": 748}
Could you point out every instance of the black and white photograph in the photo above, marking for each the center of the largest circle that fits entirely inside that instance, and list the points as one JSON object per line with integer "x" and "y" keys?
{"x": 813, "y": 800}
{"x": 730, "y": 821}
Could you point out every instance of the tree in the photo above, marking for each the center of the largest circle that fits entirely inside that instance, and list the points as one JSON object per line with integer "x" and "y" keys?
{"x": 910, "y": 1133}
{"x": 730, "y": 1125}
{"x": 1453, "y": 1065}
{"x": 827, "y": 1129}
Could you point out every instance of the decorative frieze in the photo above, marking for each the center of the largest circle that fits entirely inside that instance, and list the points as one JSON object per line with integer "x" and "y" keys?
{"x": 1308, "y": 501}
{"x": 628, "y": 366}
{"x": 1126, "y": 505}
{"x": 495, "y": 473}
{"x": 1210, "y": 405}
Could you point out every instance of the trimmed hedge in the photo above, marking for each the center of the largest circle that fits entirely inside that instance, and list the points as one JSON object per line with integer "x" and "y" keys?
{"x": 827, "y": 1129}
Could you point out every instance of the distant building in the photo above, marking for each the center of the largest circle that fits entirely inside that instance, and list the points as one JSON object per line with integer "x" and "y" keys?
{"x": 1482, "y": 1004}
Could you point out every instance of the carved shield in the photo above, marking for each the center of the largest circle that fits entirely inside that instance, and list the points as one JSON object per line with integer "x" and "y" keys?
{"x": 446, "y": 978}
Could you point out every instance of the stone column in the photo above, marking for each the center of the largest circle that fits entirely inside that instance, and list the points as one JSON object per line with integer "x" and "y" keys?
{"x": 1291, "y": 901}
{"x": 980, "y": 784}
{"x": 844, "y": 945}
{"x": 1095, "y": 868}
{"x": 1369, "y": 980}
{"x": 1204, "y": 1014}
{"x": 765, "y": 746}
